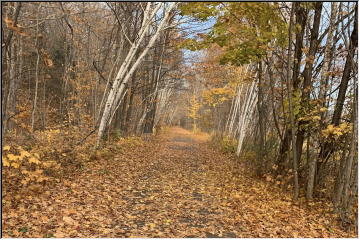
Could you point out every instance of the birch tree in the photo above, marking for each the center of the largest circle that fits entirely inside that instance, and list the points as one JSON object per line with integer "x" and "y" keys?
{"x": 246, "y": 114}
{"x": 123, "y": 75}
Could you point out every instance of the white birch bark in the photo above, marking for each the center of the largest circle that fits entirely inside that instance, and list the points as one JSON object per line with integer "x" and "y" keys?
{"x": 172, "y": 115}
{"x": 123, "y": 75}
{"x": 162, "y": 104}
{"x": 235, "y": 112}
{"x": 246, "y": 114}
{"x": 138, "y": 127}
{"x": 113, "y": 68}
{"x": 230, "y": 114}
{"x": 163, "y": 94}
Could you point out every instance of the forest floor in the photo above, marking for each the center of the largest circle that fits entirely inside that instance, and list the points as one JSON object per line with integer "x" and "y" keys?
{"x": 175, "y": 185}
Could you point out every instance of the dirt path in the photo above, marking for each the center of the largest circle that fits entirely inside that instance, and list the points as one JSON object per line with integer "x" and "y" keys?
{"x": 175, "y": 186}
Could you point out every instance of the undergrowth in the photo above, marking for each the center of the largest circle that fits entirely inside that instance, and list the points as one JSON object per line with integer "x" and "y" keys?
{"x": 50, "y": 156}
{"x": 224, "y": 144}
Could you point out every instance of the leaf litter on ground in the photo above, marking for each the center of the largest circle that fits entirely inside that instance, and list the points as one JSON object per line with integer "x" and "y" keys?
{"x": 175, "y": 185}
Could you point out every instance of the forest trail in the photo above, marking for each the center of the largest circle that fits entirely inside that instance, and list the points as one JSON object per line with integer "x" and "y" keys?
{"x": 173, "y": 186}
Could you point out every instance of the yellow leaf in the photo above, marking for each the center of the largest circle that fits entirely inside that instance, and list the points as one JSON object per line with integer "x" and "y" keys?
{"x": 5, "y": 162}
{"x": 237, "y": 195}
{"x": 15, "y": 164}
{"x": 12, "y": 157}
{"x": 25, "y": 181}
{"x": 152, "y": 225}
{"x": 338, "y": 133}
{"x": 6, "y": 148}
{"x": 47, "y": 164}
{"x": 130, "y": 216}
{"x": 34, "y": 160}
{"x": 59, "y": 234}
{"x": 41, "y": 179}
{"x": 24, "y": 154}
{"x": 38, "y": 172}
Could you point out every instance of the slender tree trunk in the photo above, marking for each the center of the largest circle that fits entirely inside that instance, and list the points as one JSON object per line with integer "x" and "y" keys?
{"x": 305, "y": 97}
{"x": 307, "y": 85}
{"x": 8, "y": 48}
{"x": 322, "y": 96}
{"x": 272, "y": 95}
{"x": 327, "y": 59}
{"x": 339, "y": 184}
{"x": 246, "y": 113}
{"x": 261, "y": 113}
{"x": 291, "y": 111}
{"x": 130, "y": 108}
{"x": 301, "y": 20}
{"x": 122, "y": 78}
{"x": 11, "y": 97}
{"x": 36, "y": 72}
{"x": 327, "y": 148}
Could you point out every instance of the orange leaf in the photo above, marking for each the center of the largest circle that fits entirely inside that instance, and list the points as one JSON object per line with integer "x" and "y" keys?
{"x": 69, "y": 220}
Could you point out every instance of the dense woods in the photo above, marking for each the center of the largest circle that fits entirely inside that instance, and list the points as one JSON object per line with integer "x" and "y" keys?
{"x": 285, "y": 98}
{"x": 274, "y": 85}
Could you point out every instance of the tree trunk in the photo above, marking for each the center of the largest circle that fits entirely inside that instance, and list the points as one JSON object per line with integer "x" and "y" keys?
{"x": 36, "y": 72}
{"x": 260, "y": 107}
{"x": 11, "y": 97}
{"x": 301, "y": 20}
{"x": 305, "y": 96}
{"x": 122, "y": 78}
{"x": 322, "y": 96}
{"x": 327, "y": 60}
{"x": 291, "y": 112}
{"x": 327, "y": 148}
{"x": 130, "y": 108}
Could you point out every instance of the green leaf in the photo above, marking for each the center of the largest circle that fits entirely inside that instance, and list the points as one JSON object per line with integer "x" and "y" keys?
{"x": 23, "y": 229}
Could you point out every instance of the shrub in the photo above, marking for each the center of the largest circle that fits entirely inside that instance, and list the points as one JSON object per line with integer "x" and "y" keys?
{"x": 25, "y": 166}
{"x": 225, "y": 144}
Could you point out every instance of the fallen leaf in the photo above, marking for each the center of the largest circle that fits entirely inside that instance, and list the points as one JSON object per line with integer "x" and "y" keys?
{"x": 68, "y": 220}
